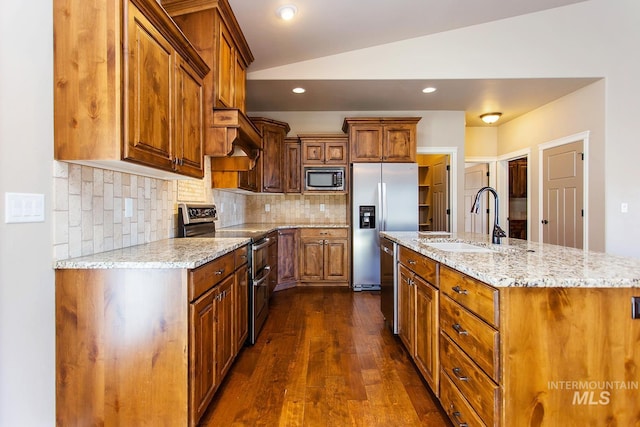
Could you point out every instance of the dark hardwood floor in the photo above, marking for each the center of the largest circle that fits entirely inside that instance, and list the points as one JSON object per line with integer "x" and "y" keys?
{"x": 324, "y": 358}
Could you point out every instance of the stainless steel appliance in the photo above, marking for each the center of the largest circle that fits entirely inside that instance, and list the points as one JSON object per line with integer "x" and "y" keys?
{"x": 384, "y": 197}
{"x": 324, "y": 178}
{"x": 388, "y": 279}
{"x": 198, "y": 220}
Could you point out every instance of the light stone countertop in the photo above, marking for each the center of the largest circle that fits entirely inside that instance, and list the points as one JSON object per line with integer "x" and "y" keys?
{"x": 168, "y": 253}
{"x": 519, "y": 263}
{"x": 186, "y": 253}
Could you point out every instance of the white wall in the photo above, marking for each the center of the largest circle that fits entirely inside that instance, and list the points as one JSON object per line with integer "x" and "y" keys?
{"x": 596, "y": 38}
{"x": 27, "y": 330}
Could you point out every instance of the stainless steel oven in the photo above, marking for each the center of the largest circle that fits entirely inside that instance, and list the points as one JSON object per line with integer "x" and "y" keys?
{"x": 259, "y": 287}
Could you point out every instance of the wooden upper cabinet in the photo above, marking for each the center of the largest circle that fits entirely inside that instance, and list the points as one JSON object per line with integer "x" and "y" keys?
{"x": 127, "y": 90}
{"x": 268, "y": 174}
{"x": 381, "y": 139}
{"x": 292, "y": 166}
{"x": 324, "y": 149}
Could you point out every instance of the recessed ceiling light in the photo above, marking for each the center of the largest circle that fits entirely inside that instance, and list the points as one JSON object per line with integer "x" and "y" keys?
{"x": 287, "y": 12}
{"x": 299, "y": 90}
{"x": 429, "y": 90}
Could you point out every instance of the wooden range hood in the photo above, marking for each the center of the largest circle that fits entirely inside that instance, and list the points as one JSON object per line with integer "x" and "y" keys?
{"x": 243, "y": 141}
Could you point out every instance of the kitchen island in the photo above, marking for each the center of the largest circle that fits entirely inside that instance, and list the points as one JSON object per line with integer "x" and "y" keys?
{"x": 521, "y": 334}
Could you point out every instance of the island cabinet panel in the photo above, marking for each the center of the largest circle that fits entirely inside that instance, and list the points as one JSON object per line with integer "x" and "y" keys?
{"x": 418, "y": 320}
{"x": 572, "y": 357}
{"x": 128, "y": 89}
{"x": 121, "y": 347}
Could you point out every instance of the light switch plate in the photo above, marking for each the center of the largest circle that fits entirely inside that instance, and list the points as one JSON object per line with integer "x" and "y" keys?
{"x": 23, "y": 207}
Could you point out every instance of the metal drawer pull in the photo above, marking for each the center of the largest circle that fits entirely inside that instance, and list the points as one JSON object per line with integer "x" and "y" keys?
{"x": 456, "y": 373}
{"x": 412, "y": 262}
{"x": 459, "y": 330}
{"x": 261, "y": 245}
{"x": 456, "y": 415}
{"x": 459, "y": 290}
{"x": 219, "y": 272}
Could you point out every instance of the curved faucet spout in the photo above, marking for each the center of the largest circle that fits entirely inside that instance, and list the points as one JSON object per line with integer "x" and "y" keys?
{"x": 498, "y": 232}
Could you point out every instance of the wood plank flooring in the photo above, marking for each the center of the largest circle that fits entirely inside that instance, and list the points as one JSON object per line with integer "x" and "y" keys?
{"x": 324, "y": 358}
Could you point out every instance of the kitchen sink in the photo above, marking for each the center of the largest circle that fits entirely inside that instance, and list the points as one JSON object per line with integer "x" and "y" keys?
{"x": 458, "y": 247}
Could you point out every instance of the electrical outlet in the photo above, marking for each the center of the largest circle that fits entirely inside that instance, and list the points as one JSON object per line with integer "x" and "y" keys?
{"x": 128, "y": 207}
{"x": 321, "y": 207}
{"x": 267, "y": 207}
{"x": 234, "y": 208}
{"x": 221, "y": 207}
{"x": 624, "y": 207}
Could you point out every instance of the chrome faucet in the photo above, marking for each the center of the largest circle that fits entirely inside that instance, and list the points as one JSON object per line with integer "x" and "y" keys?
{"x": 498, "y": 232}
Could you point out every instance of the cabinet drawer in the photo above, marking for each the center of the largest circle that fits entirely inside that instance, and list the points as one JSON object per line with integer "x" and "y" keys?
{"x": 204, "y": 277}
{"x": 481, "y": 393}
{"x": 474, "y": 295}
{"x": 420, "y": 264}
{"x": 324, "y": 232}
{"x": 241, "y": 256}
{"x": 476, "y": 338}
{"x": 456, "y": 407}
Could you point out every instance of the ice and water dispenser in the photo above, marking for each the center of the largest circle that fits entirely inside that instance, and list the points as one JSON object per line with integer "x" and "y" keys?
{"x": 367, "y": 217}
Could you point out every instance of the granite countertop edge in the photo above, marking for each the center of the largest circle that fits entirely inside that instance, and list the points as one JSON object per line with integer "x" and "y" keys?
{"x": 520, "y": 263}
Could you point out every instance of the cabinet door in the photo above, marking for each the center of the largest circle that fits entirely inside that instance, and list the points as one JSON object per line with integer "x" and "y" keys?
{"x": 272, "y": 144}
{"x": 366, "y": 143}
{"x": 336, "y": 153}
{"x": 313, "y": 153}
{"x": 202, "y": 344}
{"x": 272, "y": 260}
{"x": 148, "y": 106}
{"x": 226, "y": 67}
{"x": 311, "y": 258}
{"x": 224, "y": 325}
{"x": 406, "y": 306}
{"x": 336, "y": 259}
{"x": 239, "y": 84}
{"x": 288, "y": 262}
{"x": 399, "y": 143}
{"x": 189, "y": 121}
{"x": 242, "y": 306}
{"x": 292, "y": 168}
{"x": 427, "y": 332}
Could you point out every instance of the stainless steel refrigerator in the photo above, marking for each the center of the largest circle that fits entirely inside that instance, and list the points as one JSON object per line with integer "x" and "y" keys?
{"x": 384, "y": 197}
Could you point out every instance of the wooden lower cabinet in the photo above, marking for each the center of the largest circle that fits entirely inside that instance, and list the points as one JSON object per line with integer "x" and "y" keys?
{"x": 287, "y": 263}
{"x": 523, "y": 356}
{"x": 324, "y": 256}
{"x": 146, "y": 346}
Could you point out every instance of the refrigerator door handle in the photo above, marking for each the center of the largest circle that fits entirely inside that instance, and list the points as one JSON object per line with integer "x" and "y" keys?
{"x": 383, "y": 207}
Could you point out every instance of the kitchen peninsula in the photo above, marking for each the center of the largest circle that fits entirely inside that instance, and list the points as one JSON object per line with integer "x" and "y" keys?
{"x": 521, "y": 333}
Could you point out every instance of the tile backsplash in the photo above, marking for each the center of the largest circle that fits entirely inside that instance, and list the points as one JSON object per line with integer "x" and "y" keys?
{"x": 89, "y": 208}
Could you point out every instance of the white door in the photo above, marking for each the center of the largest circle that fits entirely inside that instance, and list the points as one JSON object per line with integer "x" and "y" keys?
{"x": 562, "y": 189}
{"x": 476, "y": 177}
{"x": 440, "y": 198}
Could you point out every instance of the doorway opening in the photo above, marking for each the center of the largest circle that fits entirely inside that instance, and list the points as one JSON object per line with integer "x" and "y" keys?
{"x": 434, "y": 212}
{"x": 476, "y": 176}
{"x": 518, "y": 183}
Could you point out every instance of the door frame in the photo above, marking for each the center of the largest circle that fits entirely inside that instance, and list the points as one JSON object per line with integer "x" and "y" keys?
{"x": 453, "y": 180}
{"x": 503, "y": 184}
{"x": 580, "y": 136}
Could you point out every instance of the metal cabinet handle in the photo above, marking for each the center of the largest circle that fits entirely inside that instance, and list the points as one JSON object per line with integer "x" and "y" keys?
{"x": 219, "y": 272}
{"x": 456, "y": 415}
{"x": 459, "y": 330}
{"x": 412, "y": 262}
{"x": 459, "y": 290}
{"x": 261, "y": 245}
{"x": 456, "y": 373}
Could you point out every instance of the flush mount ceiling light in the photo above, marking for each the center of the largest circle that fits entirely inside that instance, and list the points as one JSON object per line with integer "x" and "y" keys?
{"x": 429, "y": 90}
{"x": 490, "y": 118}
{"x": 287, "y": 12}
{"x": 298, "y": 90}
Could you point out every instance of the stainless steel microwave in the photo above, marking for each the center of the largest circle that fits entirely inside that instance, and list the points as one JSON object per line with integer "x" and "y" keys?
{"x": 324, "y": 178}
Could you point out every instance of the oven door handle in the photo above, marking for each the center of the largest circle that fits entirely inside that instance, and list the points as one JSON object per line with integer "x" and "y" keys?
{"x": 265, "y": 276}
{"x": 257, "y": 247}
